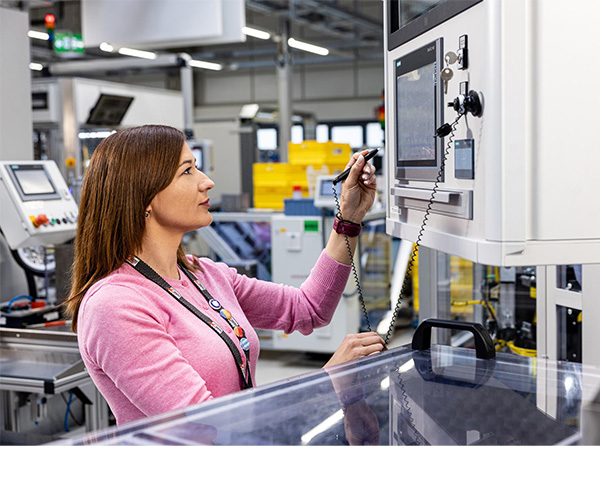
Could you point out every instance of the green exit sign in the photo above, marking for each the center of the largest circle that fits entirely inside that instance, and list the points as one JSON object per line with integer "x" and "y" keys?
{"x": 68, "y": 42}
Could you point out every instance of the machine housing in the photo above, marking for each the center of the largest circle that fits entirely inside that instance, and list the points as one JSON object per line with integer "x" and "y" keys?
{"x": 522, "y": 189}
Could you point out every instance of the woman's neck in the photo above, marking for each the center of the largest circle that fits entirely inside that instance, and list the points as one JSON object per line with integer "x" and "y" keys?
{"x": 161, "y": 256}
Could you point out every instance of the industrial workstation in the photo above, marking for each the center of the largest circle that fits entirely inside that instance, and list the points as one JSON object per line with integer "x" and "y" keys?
{"x": 296, "y": 223}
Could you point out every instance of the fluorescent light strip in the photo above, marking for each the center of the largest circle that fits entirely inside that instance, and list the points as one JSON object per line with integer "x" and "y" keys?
{"x": 36, "y": 66}
{"x": 205, "y": 65}
{"x": 106, "y": 47}
{"x": 308, "y": 47}
{"x": 263, "y": 35}
{"x": 40, "y": 35}
{"x": 95, "y": 135}
{"x": 137, "y": 53}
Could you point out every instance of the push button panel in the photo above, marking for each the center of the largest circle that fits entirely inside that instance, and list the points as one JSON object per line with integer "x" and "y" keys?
{"x": 66, "y": 220}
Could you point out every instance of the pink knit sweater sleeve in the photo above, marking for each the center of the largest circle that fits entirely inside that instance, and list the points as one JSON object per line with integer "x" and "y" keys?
{"x": 279, "y": 307}
{"x": 129, "y": 342}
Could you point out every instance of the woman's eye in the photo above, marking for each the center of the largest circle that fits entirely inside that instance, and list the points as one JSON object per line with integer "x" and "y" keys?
{"x": 187, "y": 171}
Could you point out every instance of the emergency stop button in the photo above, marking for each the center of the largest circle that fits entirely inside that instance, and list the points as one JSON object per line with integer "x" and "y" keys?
{"x": 40, "y": 220}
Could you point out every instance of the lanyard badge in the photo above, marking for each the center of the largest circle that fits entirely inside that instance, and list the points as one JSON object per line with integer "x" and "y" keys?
{"x": 244, "y": 368}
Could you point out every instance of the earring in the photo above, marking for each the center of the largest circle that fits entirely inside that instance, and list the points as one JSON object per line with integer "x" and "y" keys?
{"x": 147, "y": 214}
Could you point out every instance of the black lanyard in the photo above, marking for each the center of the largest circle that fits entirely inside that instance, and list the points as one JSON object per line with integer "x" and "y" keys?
{"x": 243, "y": 368}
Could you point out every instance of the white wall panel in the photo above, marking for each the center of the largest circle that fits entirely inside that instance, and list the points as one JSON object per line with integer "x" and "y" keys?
{"x": 370, "y": 79}
{"x": 15, "y": 87}
{"x": 319, "y": 83}
{"x": 265, "y": 86}
{"x": 227, "y": 88}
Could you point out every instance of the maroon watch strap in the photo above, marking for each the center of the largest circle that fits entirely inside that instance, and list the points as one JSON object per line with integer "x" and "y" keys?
{"x": 341, "y": 226}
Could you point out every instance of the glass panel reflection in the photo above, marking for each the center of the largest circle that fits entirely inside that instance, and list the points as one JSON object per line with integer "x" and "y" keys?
{"x": 440, "y": 396}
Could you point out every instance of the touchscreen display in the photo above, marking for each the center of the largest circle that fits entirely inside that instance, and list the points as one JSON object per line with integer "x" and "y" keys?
{"x": 416, "y": 114}
{"x": 326, "y": 188}
{"x": 32, "y": 179}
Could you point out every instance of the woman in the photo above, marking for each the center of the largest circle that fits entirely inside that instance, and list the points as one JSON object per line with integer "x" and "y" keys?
{"x": 132, "y": 282}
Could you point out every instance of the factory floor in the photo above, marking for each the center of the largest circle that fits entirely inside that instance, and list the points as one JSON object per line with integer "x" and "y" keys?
{"x": 274, "y": 366}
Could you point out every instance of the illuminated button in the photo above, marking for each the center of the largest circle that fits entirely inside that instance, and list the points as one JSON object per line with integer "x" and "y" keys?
{"x": 239, "y": 332}
{"x": 215, "y": 304}
{"x": 225, "y": 313}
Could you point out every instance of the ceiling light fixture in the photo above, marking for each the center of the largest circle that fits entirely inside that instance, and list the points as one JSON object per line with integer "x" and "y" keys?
{"x": 205, "y": 65}
{"x": 106, "y": 47}
{"x": 263, "y": 35}
{"x": 36, "y": 66}
{"x": 40, "y": 35}
{"x": 308, "y": 47}
{"x": 137, "y": 53}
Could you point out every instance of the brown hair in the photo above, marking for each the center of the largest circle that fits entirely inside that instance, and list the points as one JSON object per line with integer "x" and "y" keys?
{"x": 127, "y": 170}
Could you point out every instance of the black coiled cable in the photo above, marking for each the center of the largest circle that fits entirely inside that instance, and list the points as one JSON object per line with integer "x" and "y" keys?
{"x": 354, "y": 272}
{"x": 408, "y": 273}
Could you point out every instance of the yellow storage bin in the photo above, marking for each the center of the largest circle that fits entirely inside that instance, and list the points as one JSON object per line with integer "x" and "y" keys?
{"x": 271, "y": 196}
{"x": 319, "y": 153}
{"x": 268, "y": 173}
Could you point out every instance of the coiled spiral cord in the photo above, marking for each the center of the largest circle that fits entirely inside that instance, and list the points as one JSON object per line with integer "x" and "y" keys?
{"x": 407, "y": 275}
{"x": 413, "y": 256}
{"x": 411, "y": 263}
{"x": 354, "y": 272}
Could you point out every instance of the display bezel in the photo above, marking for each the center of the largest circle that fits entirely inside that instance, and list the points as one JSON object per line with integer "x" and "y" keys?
{"x": 17, "y": 183}
{"x": 398, "y": 35}
{"x": 426, "y": 170}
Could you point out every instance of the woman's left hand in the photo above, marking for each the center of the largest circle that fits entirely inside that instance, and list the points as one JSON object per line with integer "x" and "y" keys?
{"x": 359, "y": 189}
{"x": 356, "y": 345}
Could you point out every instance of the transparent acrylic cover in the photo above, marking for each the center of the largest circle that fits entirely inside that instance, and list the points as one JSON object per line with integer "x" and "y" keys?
{"x": 440, "y": 396}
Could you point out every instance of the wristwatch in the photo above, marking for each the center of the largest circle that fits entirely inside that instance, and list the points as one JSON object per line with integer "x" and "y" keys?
{"x": 346, "y": 227}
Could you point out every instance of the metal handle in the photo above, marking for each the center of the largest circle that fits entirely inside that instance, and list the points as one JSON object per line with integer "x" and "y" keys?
{"x": 484, "y": 345}
{"x": 422, "y": 194}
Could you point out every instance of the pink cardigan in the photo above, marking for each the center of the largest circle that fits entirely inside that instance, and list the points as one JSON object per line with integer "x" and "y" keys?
{"x": 147, "y": 354}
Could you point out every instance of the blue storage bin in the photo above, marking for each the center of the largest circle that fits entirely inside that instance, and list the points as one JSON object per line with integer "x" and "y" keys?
{"x": 305, "y": 206}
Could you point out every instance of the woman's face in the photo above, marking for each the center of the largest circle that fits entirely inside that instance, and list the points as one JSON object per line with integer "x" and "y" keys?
{"x": 183, "y": 205}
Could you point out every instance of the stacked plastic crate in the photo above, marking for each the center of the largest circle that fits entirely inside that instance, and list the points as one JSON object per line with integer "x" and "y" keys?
{"x": 274, "y": 182}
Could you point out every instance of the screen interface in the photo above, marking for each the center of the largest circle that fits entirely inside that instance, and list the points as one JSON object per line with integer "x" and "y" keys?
{"x": 417, "y": 107}
{"x": 326, "y": 188}
{"x": 32, "y": 179}
{"x": 416, "y": 114}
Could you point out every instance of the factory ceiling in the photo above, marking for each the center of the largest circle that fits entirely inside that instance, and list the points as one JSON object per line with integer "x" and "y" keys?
{"x": 352, "y": 30}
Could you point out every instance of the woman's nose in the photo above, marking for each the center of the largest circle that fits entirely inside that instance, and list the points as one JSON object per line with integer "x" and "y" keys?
{"x": 205, "y": 183}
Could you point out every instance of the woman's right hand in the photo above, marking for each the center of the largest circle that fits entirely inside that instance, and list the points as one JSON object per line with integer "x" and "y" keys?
{"x": 356, "y": 345}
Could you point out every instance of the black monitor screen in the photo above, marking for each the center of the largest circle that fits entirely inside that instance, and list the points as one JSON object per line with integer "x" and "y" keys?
{"x": 410, "y": 10}
{"x": 109, "y": 110}
{"x": 416, "y": 103}
{"x": 407, "y": 19}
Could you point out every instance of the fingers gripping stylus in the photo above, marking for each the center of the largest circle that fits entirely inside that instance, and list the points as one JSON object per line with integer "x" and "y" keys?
{"x": 346, "y": 172}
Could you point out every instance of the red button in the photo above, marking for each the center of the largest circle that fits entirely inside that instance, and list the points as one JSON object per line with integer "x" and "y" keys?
{"x": 40, "y": 220}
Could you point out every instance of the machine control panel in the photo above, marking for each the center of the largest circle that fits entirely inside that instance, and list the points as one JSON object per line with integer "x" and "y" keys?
{"x": 37, "y": 205}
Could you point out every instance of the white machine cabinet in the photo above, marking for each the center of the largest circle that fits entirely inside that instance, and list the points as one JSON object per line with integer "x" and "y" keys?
{"x": 297, "y": 242}
{"x": 520, "y": 183}
{"x": 36, "y": 204}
